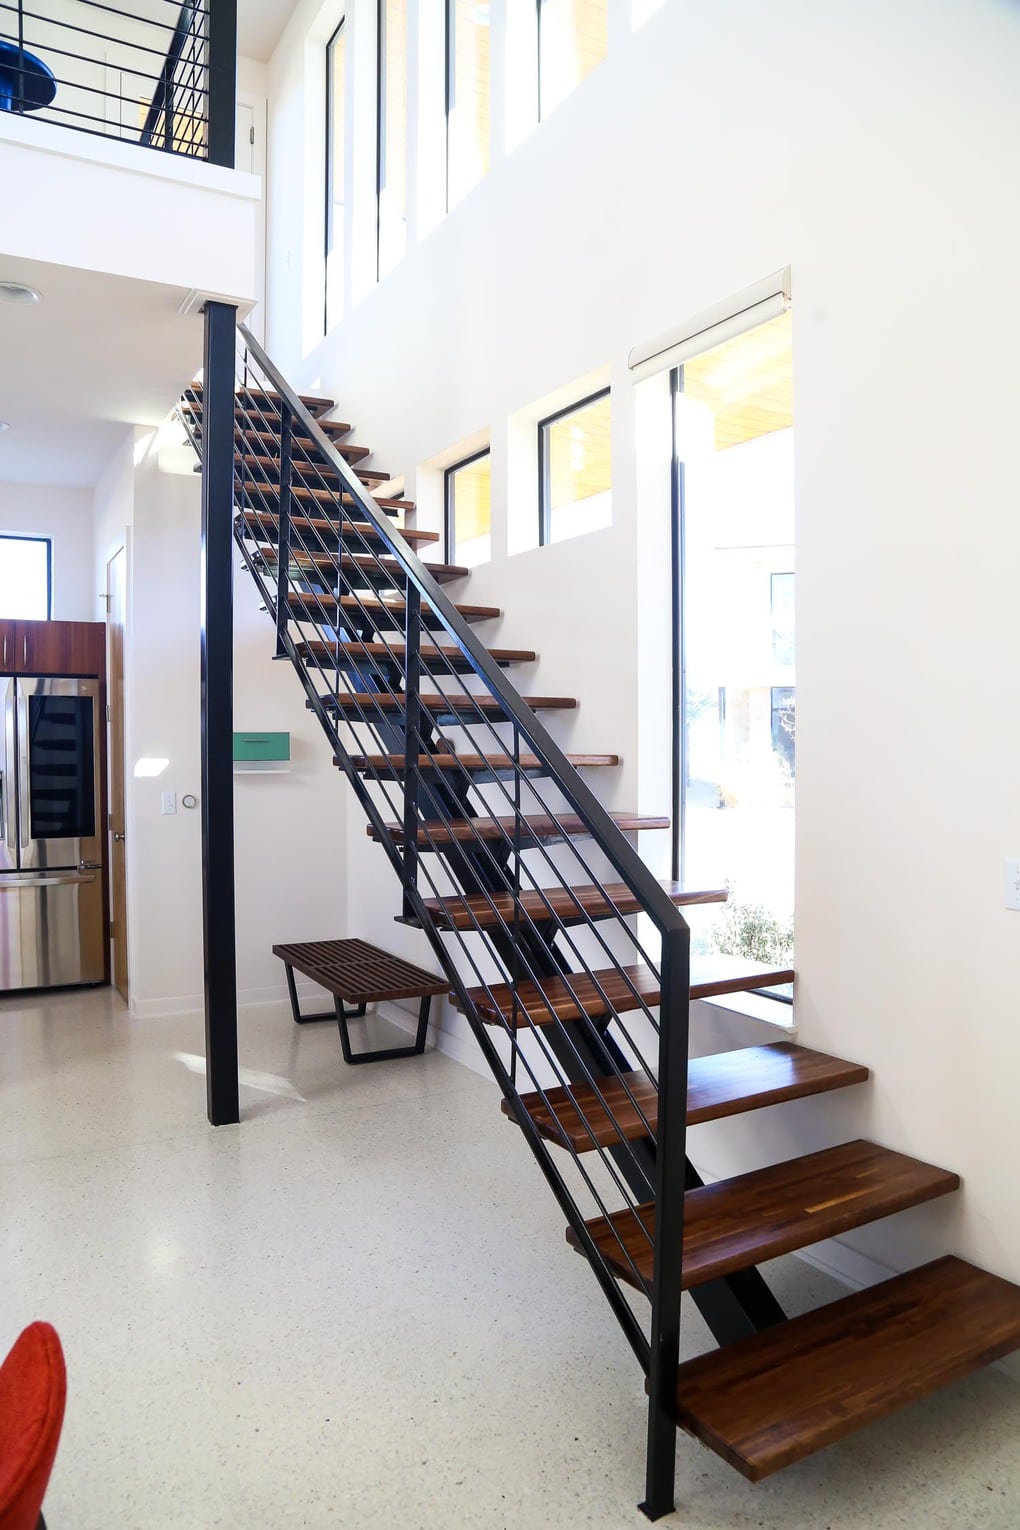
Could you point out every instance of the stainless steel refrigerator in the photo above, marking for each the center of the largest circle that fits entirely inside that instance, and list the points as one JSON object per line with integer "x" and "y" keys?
{"x": 51, "y": 833}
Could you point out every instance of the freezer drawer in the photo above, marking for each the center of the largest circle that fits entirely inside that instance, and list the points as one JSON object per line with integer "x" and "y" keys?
{"x": 51, "y": 929}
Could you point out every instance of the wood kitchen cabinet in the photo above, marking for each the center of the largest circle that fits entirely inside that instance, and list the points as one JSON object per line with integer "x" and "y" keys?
{"x": 52, "y": 648}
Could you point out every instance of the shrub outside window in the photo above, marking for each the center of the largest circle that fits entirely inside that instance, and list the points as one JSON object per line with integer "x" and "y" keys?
{"x": 572, "y": 39}
{"x": 467, "y": 97}
{"x": 392, "y": 134}
{"x": 336, "y": 51}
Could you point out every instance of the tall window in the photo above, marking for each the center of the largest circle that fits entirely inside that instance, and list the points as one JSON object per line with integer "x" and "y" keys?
{"x": 26, "y": 578}
{"x": 336, "y": 53}
{"x": 575, "y": 469}
{"x": 469, "y": 511}
{"x": 392, "y": 133}
{"x": 467, "y": 97}
{"x": 734, "y": 476}
{"x": 572, "y": 39}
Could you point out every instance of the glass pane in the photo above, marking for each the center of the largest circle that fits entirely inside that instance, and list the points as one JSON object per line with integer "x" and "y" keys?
{"x": 25, "y": 578}
{"x": 470, "y": 512}
{"x": 577, "y": 470}
{"x": 336, "y": 51}
{"x": 467, "y": 140}
{"x": 393, "y": 134}
{"x": 572, "y": 36}
{"x": 734, "y": 423}
{"x": 60, "y": 785}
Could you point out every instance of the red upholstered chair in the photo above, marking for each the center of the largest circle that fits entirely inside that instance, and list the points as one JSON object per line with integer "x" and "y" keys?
{"x": 33, "y": 1388}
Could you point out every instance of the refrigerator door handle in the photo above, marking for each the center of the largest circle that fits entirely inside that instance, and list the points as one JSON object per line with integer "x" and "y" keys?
{"x": 57, "y": 879}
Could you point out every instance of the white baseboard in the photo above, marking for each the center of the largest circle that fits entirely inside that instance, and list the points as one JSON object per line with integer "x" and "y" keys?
{"x": 461, "y": 1049}
{"x": 247, "y": 998}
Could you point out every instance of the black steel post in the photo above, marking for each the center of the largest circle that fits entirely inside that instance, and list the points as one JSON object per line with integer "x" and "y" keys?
{"x": 217, "y": 714}
{"x": 283, "y": 525}
{"x": 671, "y": 1178}
{"x": 222, "y": 80}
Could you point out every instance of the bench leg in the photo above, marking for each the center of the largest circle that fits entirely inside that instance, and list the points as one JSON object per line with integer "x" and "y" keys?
{"x": 295, "y": 1008}
{"x": 415, "y": 1050}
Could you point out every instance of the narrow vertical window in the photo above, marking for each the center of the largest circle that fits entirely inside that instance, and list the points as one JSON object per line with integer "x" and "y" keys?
{"x": 733, "y": 424}
{"x": 467, "y": 97}
{"x": 572, "y": 39}
{"x": 336, "y": 52}
{"x": 469, "y": 511}
{"x": 392, "y": 133}
{"x": 26, "y": 578}
{"x": 575, "y": 469}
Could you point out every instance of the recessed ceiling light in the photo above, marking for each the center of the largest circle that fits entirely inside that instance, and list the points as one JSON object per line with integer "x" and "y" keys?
{"x": 4, "y": 425}
{"x": 17, "y": 292}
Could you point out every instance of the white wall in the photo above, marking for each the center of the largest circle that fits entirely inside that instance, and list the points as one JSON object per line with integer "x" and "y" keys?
{"x": 289, "y": 829}
{"x": 872, "y": 149}
{"x": 65, "y": 516}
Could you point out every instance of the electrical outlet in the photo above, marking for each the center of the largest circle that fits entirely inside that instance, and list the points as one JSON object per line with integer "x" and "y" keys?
{"x": 1013, "y": 884}
{"x": 169, "y": 802}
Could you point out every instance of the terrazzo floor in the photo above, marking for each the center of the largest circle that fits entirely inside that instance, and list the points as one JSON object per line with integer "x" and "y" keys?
{"x": 357, "y": 1309}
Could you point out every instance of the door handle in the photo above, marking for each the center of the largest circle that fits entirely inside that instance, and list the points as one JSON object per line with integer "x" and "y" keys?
{"x": 118, "y": 837}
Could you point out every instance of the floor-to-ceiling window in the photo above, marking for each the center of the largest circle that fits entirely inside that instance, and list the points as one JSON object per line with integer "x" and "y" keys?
{"x": 392, "y": 134}
{"x": 336, "y": 104}
{"x": 572, "y": 39}
{"x": 467, "y": 97}
{"x": 733, "y": 423}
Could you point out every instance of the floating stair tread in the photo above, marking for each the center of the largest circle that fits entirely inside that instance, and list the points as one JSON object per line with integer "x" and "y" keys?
{"x": 569, "y": 905}
{"x": 258, "y": 396}
{"x": 535, "y": 827}
{"x": 488, "y": 706}
{"x": 774, "y": 1398}
{"x": 430, "y": 653}
{"x": 253, "y": 436}
{"x": 360, "y": 973}
{"x": 626, "y": 1106}
{"x": 262, "y": 521}
{"x": 381, "y": 564}
{"x": 323, "y": 608}
{"x": 264, "y": 473}
{"x": 616, "y": 990}
{"x": 395, "y": 763}
{"x": 740, "y": 1222}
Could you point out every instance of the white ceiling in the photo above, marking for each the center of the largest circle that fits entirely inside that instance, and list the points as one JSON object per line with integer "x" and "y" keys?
{"x": 259, "y": 25}
{"x": 96, "y": 356}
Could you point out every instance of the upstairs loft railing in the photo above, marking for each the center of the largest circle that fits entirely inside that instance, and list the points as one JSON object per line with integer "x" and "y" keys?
{"x": 497, "y": 845}
{"x": 160, "y": 73}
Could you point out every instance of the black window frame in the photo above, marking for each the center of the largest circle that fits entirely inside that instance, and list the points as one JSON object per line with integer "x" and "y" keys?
{"x": 328, "y": 226}
{"x": 449, "y": 537}
{"x": 544, "y": 496}
{"x": 22, "y": 536}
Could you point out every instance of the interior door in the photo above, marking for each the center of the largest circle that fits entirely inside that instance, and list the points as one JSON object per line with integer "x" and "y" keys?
{"x": 115, "y": 605}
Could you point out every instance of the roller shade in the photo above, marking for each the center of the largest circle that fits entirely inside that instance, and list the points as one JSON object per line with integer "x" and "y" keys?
{"x": 741, "y": 311}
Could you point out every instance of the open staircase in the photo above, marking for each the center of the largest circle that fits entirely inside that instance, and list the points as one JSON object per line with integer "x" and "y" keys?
{"x": 527, "y": 890}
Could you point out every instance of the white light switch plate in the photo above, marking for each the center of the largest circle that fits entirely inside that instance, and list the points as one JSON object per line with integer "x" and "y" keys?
{"x": 1013, "y": 884}
{"x": 169, "y": 802}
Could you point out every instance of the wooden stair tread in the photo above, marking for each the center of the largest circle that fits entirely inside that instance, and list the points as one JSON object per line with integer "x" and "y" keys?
{"x": 360, "y": 973}
{"x": 394, "y": 763}
{"x": 388, "y": 701}
{"x": 614, "y": 990}
{"x": 626, "y": 1106}
{"x": 253, "y": 436}
{"x": 355, "y": 563}
{"x": 535, "y": 827}
{"x": 569, "y": 905}
{"x": 743, "y": 1221}
{"x": 323, "y": 608}
{"x": 774, "y": 1398}
{"x": 263, "y": 473}
{"x": 265, "y": 520}
{"x": 260, "y": 397}
{"x": 430, "y": 653}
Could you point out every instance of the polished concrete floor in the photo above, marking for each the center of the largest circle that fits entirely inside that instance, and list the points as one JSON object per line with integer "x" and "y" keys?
{"x": 357, "y": 1309}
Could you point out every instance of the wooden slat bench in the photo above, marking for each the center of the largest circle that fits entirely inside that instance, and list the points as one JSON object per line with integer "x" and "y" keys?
{"x": 356, "y": 974}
